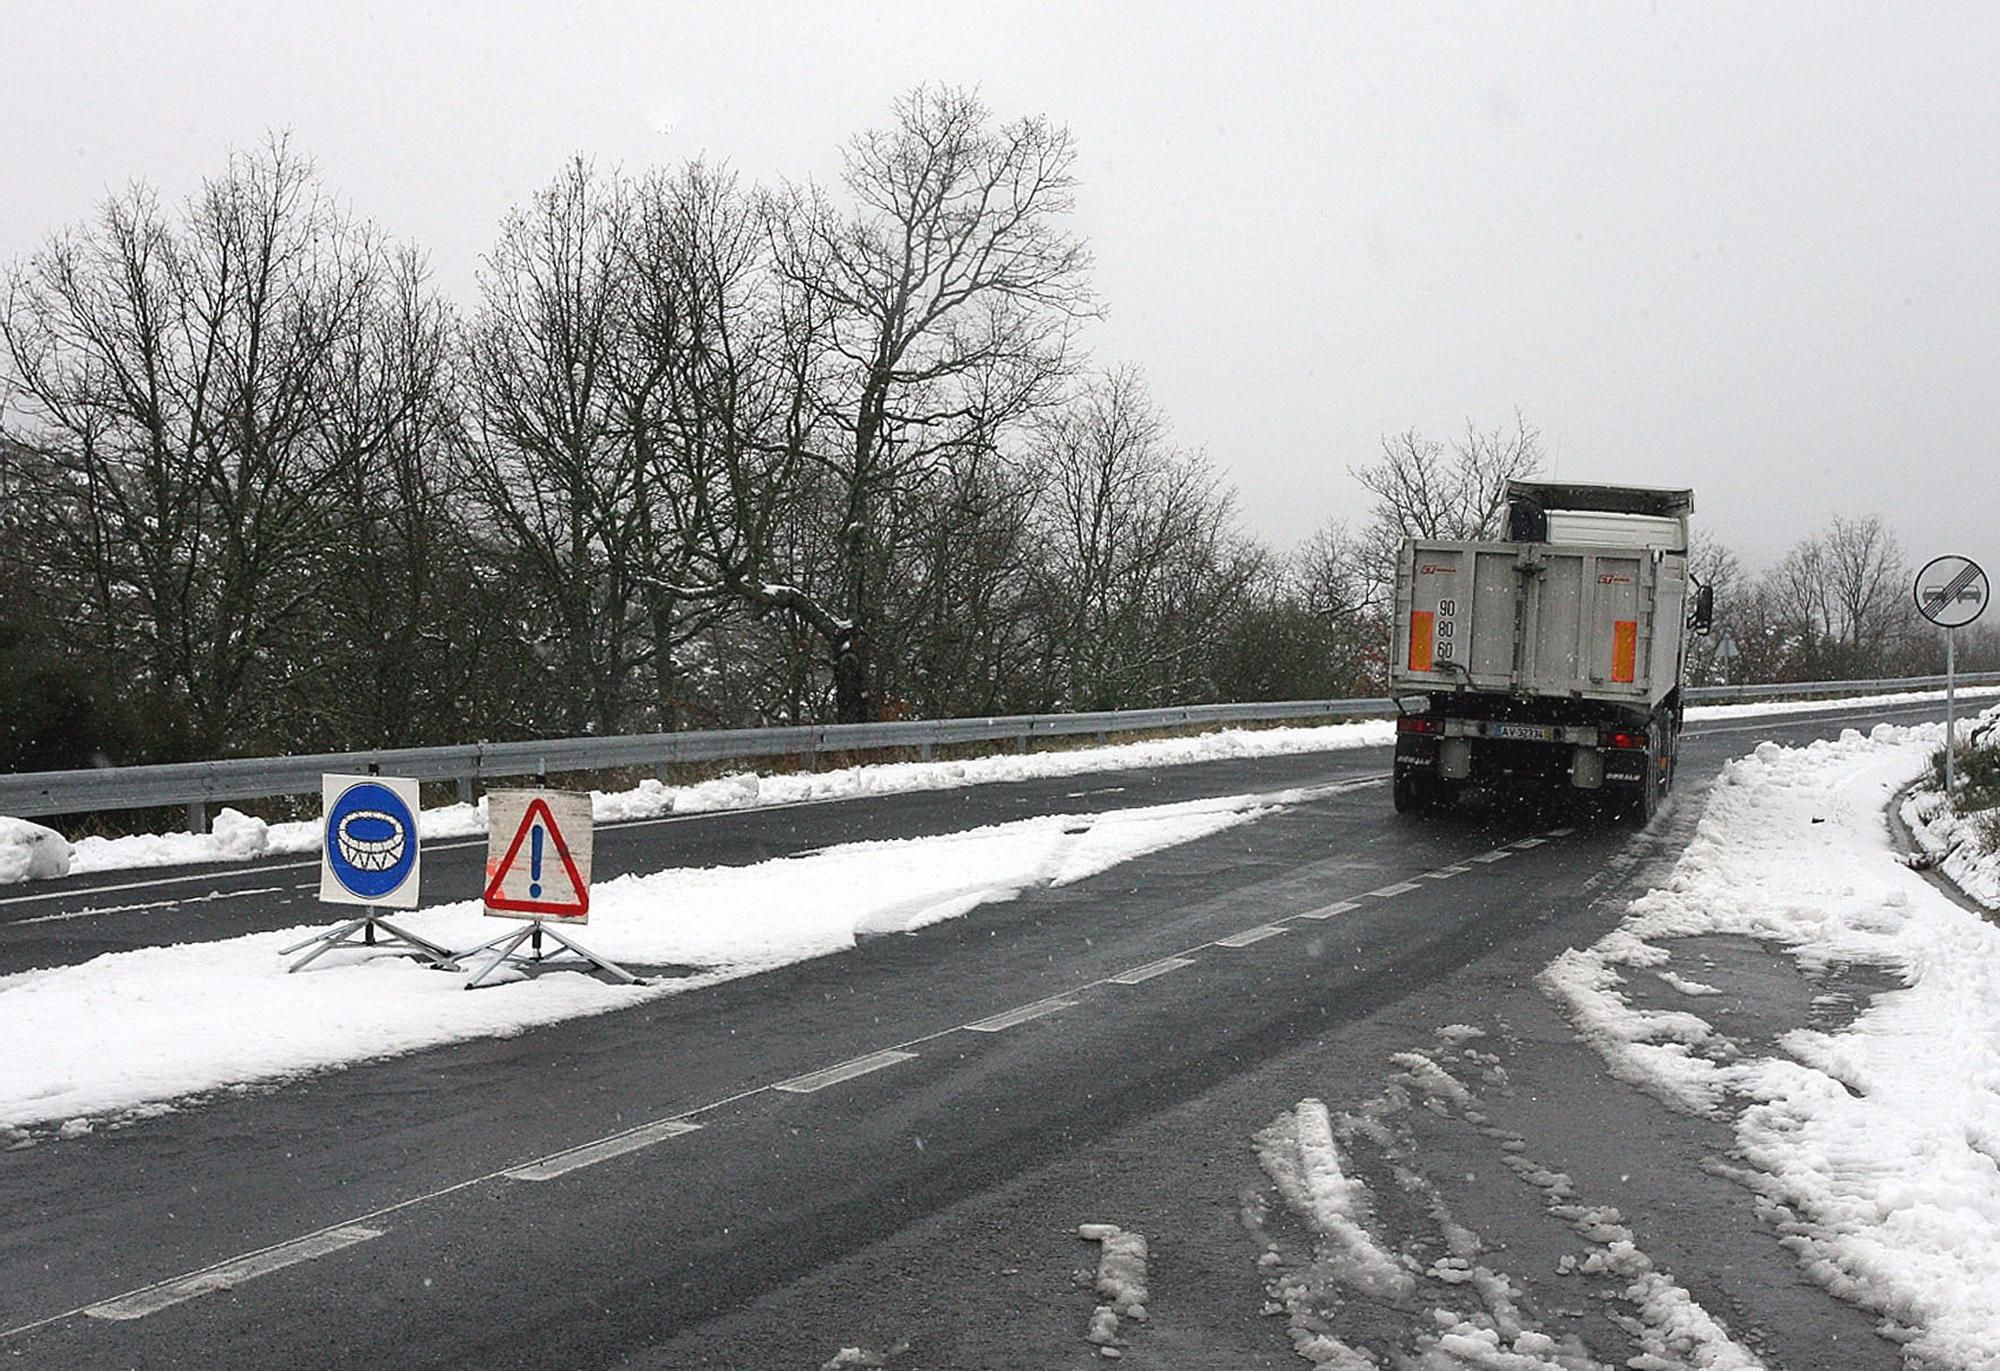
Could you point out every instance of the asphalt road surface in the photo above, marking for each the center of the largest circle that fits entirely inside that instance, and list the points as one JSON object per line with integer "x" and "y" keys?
{"x": 890, "y": 1150}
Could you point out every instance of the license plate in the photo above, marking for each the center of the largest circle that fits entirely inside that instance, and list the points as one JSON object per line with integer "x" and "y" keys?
{"x": 1531, "y": 733}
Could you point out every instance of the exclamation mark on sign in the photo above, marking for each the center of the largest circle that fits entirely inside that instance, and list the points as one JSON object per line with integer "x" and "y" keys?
{"x": 535, "y": 864}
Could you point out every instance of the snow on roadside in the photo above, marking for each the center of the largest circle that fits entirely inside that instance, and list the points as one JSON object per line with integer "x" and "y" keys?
{"x": 239, "y": 837}
{"x": 133, "y": 1029}
{"x": 1759, "y": 708}
{"x": 1876, "y": 1147}
{"x": 29, "y": 852}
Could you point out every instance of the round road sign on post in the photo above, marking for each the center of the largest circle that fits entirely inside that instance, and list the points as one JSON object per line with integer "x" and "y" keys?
{"x": 1951, "y": 591}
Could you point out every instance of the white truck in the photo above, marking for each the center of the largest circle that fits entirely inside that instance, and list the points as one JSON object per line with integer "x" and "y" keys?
{"x": 1553, "y": 658}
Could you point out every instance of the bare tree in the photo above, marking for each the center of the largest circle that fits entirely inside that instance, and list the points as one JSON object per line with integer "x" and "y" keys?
{"x": 1835, "y": 602}
{"x": 948, "y": 299}
{"x": 549, "y": 445}
{"x": 1138, "y": 550}
{"x": 171, "y": 371}
{"x": 1867, "y": 579}
{"x": 1427, "y": 489}
{"x": 1337, "y": 578}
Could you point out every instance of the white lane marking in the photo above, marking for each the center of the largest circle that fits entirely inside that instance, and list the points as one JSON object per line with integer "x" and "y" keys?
{"x": 1150, "y": 970}
{"x": 1445, "y": 873}
{"x": 232, "y": 1273}
{"x": 1327, "y": 911}
{"x": 94, "y": 910}
{"x": 85, "y": 892}
{"x": 1251, "y": 935}
{"x": 1530, "y": 842}
{"x": 1496, "y": 855}
{"x": 590, "y": 1154}
{"x": 1559, "y": 833}
{"x": 1399, "y": 888}
{"x": 1000, "y": 1022}
{"x": 846, "y": 1071}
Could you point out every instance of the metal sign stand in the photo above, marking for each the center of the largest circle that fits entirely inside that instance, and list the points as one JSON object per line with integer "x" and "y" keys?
{"x": 509, "y": 951}
{"x": 441, "y": 957}
{"x": 369, "y": 856}
{"x": 1950, "y": 712}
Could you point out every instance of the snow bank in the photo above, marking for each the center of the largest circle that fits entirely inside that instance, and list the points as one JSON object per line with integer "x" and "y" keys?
{"x": 1878, "y": 1146}
{"x": 238, "y": 837}
{"x": 134, "y": 1028}
{"x": 29, "y": 852}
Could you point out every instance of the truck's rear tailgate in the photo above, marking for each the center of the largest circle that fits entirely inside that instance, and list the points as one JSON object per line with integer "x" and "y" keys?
{"x": 1546, "y": 619}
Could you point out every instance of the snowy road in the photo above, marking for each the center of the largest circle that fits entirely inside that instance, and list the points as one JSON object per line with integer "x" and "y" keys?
{"x": 894, "y": 1146}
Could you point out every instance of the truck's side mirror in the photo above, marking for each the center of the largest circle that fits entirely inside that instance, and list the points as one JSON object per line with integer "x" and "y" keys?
{"x": 1703, "y": 618}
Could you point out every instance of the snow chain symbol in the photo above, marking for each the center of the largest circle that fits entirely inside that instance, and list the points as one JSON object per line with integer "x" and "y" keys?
{"x": 371, "y": 839}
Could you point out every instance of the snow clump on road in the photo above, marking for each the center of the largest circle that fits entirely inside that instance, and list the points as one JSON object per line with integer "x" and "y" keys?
{"x": 29, "y": 852}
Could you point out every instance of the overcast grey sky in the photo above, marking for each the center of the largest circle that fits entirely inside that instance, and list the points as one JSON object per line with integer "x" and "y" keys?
{"x": 1754, "y": 249}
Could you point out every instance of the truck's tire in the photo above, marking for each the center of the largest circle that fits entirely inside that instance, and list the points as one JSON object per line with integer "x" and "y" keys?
{"x": 1413, "y": 792}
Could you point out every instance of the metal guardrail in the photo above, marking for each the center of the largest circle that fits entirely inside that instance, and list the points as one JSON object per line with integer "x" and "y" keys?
{"x": 200, "y": 784}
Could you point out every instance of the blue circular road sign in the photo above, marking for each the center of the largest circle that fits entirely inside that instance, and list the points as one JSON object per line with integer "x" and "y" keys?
{"x": 371, "y": 840}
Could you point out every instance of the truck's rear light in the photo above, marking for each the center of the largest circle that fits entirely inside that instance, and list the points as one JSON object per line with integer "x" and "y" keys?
{"x": 1415, "y": 723}
{"x": 1635, "y": 741}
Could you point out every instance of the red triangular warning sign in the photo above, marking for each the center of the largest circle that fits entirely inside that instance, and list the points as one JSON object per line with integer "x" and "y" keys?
{"x": 575, "y": 907}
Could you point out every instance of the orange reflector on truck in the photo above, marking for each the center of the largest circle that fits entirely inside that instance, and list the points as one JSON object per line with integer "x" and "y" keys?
{"x": 1624, "y": 650}
{"x": 1423, "y": 632}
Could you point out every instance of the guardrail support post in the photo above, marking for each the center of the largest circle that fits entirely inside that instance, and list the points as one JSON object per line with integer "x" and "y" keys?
{"x": 197, "y": 816}
{"x": 465, "y": 795}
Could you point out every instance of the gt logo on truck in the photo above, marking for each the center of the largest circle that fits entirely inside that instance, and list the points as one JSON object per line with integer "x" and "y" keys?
{"x": 1436, "y": 569}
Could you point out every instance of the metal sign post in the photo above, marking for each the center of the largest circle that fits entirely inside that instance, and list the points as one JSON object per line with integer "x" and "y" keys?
{"x": 538, "y": 845}
{"x": 1951, "y": 592}
{"x": 369, "y": 855}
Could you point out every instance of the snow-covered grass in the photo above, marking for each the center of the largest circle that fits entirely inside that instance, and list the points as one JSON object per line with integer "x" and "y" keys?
{"x": 236, "y": 836}
{"x": 1963, "y": 838}
{"x": 136, "y": 1029}
{"x": 1876, "y": 1147}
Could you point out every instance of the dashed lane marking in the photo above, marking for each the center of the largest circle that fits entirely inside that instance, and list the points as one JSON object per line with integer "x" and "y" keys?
{"x": 1444, "y": 873}
{"x": 232, "y": 1273}
{"x": 1496, "y": 855}
{"x": 846, "y": 1071}
{"x": 1001, "y": 1022}
{"x": 1559, "y": 833}
{"x": 1150, "y": 970}
{"x": 1530, "y": 842}
{"x": 548, "y": 1168}
{"x": 1251, "y": 935}
{"x": 236, "y": 1270}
